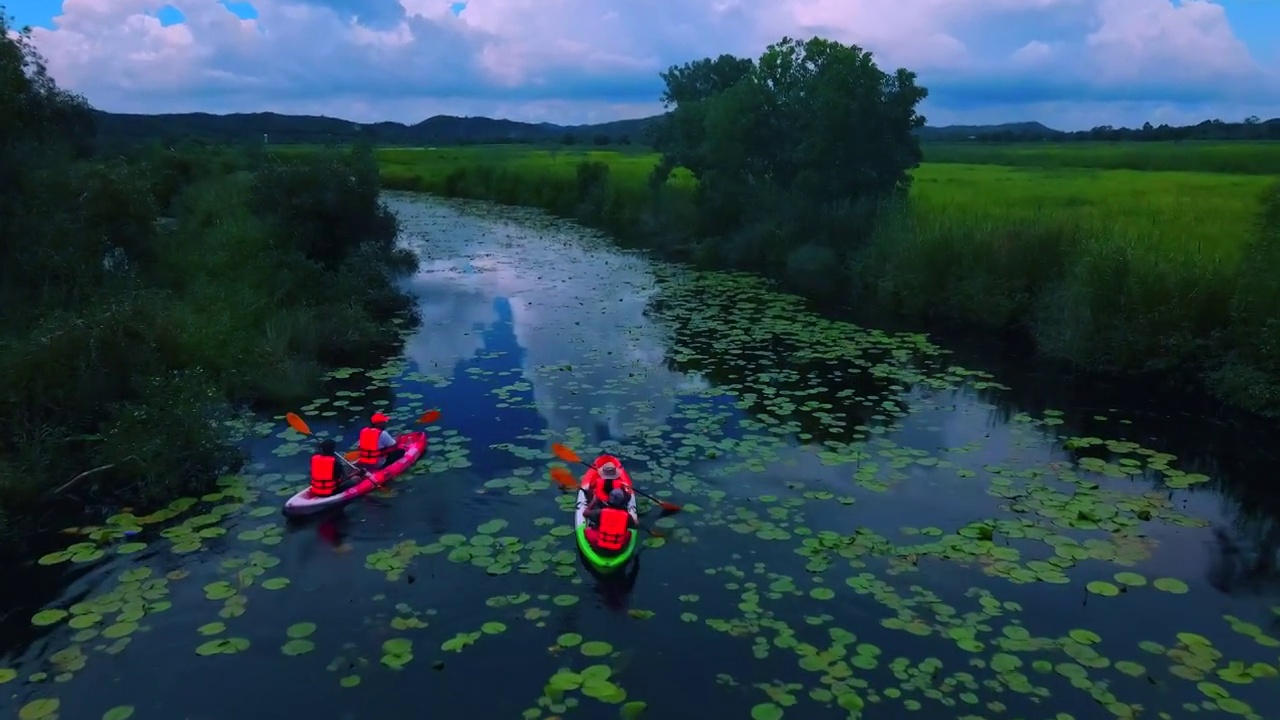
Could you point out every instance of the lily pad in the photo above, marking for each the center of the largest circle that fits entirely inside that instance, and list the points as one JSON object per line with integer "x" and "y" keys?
{"x": 39, "y": 709}
{"x": 1170, "y": 585}
{"x": 223, "y": 646}
{"x": 1103, "y": 588}
{"x": 48, "y": 617}
{"x": 596, "y": 648}
{"x": 766, "y": 711}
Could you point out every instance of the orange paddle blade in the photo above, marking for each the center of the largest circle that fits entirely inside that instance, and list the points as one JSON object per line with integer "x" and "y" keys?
{"x": 565, "y": 453}
{"x": 429, "y": 416}
{"x": 352, "y": 456}
{"x": 297, "y": 423}
{"x": 564, "y": 478}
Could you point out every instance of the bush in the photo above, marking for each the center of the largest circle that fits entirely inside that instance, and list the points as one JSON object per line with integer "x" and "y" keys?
{"x": 146, "y": 297}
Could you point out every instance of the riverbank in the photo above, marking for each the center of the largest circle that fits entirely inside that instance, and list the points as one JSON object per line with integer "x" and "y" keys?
{"x": 1117, "y": 270}
{"x": 148, "y": 298}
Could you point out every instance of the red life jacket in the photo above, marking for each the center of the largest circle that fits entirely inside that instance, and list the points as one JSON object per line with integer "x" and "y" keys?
{"x": 369, "y": 452}
{"x": 598, "y": 484}
{"x": 324, "y": 475}
{"x": 613, "y": 531}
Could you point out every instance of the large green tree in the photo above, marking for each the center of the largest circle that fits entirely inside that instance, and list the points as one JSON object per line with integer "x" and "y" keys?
{"x": 810, "y": 138}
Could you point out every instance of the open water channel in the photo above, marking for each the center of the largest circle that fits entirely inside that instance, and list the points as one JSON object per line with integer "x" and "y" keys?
{"x": 869, "y": 529}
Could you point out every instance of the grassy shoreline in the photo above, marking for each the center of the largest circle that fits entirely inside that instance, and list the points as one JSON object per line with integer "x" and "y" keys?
{"x": 1118, "y": 270}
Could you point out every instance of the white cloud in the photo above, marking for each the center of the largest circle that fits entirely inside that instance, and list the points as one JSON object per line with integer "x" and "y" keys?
{"x": 581, "y": 61}
{"x": 1033, "y": 53}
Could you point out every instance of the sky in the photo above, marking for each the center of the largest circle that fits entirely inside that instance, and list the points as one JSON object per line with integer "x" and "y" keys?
{"x": 1071, "y": 64}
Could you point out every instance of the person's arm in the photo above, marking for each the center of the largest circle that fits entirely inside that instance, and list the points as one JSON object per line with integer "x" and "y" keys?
{"x": 386, "y": 441}
{"x": 349, "y": 469}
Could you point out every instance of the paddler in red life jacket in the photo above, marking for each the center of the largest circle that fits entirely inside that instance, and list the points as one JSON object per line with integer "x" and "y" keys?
{"x": 603, "y": 486}
{"x": 609, "y": 527}
{"x": 328, "y": 473}
{"x": 377, "y": 447}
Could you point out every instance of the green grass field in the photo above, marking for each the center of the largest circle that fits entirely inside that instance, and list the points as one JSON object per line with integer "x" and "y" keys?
{"x": 1250, "y": 158}
{"x": 1207, "y": 215}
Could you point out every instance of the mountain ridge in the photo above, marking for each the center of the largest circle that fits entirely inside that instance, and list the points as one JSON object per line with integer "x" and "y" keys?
{"x": 279, "y": 128}
{"x": 438, "y": 129}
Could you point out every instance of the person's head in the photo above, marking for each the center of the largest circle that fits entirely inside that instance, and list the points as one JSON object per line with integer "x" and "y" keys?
{"x": 327, "y": 447}
{"x": 609, "y": 471}
{"x": 618, "y": 498}
{"x": 379, "y": 420}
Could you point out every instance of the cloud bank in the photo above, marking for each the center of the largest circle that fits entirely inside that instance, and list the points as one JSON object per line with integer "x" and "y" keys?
{"x": 1068, "y": 63}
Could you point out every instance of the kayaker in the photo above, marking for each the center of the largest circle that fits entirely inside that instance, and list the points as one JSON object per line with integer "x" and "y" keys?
{"x": 328, "y": 472}
{"x": 608, "y": 473}
{"x": 377, "y": 447}
{"x": 609, "y": 527}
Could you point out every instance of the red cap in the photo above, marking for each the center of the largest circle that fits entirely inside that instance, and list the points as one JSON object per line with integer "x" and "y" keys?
{"x": 380, "y": 418}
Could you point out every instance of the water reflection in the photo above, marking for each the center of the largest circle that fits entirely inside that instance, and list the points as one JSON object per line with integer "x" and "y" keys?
{"x": 577, "y": 313}
{"x": 1239, "y": 453}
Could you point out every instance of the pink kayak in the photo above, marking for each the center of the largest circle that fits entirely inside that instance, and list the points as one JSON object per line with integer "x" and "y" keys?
{"x": 414, "y": 445}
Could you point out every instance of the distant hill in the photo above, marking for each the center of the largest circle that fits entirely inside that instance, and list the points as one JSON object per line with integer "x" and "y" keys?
{"x": 288, "y": 129}
{"x": 1027, "y": 130}
{"x": 116, "y": 128}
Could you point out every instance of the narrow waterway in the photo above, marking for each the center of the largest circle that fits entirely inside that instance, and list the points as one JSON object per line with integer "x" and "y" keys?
{"x": 869, "y": 527}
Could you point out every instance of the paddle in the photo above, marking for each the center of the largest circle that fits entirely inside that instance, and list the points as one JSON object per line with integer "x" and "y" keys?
{"x": 568, "y": 455}
{"x": 297, "y": 423}
{"x": 566, "y": 480}
{"x": 425, "y": 418}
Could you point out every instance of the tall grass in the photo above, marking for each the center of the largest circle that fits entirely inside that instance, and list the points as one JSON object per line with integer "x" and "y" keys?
{"x": 1115, "y": 269}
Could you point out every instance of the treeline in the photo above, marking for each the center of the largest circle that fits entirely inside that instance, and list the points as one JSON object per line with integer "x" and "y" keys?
{"x": 144, "y": 298}
{"x": 1251, "y": 128}
{"x": 800, "y": 163}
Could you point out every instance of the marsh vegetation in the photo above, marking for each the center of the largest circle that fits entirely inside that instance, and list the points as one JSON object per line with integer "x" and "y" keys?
{"x": 145, "y": 298}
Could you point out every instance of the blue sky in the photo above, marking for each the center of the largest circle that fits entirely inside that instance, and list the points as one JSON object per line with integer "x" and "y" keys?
{"x": 1067, "y": 63}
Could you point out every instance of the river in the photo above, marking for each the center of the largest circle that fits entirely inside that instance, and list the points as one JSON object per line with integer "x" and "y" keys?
{"x": 868, "y": 528}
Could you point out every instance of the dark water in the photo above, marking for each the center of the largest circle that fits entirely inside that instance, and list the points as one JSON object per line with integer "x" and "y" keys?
{"x": 869, "y": 529}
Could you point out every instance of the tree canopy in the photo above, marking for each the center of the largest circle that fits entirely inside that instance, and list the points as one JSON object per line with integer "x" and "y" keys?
{"x": 811, "y": 130}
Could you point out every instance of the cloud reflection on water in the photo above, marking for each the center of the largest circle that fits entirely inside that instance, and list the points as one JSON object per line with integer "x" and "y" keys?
{"x": 618, "y": 373}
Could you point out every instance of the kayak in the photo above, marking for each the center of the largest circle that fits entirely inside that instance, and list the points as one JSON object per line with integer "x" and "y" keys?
{"x": 599, "y": 558}
{"x": 414, "y": 445}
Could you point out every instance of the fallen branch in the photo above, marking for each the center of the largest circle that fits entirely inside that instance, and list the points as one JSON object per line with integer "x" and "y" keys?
{"x": 87, "y": 473}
